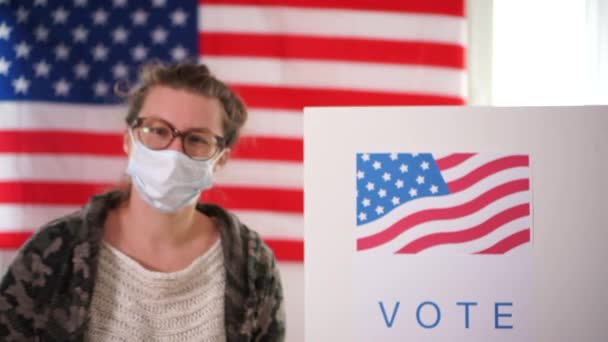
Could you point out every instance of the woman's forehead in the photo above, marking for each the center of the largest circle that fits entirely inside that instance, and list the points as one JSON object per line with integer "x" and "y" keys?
{"x": 182, "y": 108}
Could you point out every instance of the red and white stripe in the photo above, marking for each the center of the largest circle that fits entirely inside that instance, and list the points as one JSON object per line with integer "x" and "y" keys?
{"x": 490, "y": 214}
{"x": 279, "y": 55}
{"x": 54, "y": 156}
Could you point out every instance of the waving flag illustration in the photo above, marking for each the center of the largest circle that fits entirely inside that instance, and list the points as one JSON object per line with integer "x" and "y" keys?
{"x": 465, "y": 203}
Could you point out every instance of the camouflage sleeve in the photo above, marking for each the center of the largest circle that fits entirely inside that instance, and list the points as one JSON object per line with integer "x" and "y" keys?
{"x": 270, "y": 311}
{"x": 276, "y": 326}
{"x": 21, "y": 314}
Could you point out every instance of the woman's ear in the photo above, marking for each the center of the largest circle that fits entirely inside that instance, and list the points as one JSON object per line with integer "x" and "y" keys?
{"x": 126, "y": 142}
{"x": 221, "y": 160}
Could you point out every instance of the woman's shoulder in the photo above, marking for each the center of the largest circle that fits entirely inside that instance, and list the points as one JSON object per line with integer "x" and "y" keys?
{"x": 36, "y": 280}
{"x": 54, "y": 235}
{"x": 47, "y": 251}
{"x": 73, "y": 228}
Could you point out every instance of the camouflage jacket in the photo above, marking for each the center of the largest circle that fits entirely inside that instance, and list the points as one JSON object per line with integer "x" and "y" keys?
{"x": 46, "y": 293}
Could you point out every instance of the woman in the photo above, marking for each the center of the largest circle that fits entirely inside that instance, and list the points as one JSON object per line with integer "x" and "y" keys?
{"x": 147, "y": 261}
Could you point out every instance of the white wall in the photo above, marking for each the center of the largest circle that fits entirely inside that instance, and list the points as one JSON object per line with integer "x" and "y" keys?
{"x": 479, "y": 51}
{"x": 597, "y": 47}
{"x": 538, "y": 52}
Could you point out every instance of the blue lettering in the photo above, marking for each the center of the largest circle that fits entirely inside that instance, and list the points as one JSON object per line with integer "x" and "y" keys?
{"x": 498, "y": 314}
{"x": 389, "y": 324}
{"x": 428, "y": 326}
{"x": 466, "y": 311}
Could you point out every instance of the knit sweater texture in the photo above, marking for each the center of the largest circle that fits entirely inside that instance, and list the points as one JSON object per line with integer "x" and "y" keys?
{"x": 132, "y": 303}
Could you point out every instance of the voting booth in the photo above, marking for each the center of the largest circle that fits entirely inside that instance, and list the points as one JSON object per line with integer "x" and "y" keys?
{"x": 454, "y": 223}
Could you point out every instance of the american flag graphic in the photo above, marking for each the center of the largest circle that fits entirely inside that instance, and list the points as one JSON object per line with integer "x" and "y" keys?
{"x": 472, "y": 203}
{"x": 61, "y": 126}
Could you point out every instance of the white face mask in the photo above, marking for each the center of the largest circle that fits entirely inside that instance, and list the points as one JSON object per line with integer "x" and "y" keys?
{"x": 167, "y": 179}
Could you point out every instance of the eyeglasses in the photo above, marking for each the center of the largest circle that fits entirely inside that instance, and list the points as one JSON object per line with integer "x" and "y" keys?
{"x": 158, "y": 134}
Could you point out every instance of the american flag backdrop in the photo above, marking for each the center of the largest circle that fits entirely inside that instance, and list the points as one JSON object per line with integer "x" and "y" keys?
{"x": 61, "y": 125}
{"x": 473, "y": 203}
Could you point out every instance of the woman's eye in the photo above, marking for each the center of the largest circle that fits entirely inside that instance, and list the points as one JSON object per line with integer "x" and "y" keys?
{"x": 161, "y": 131}
{"x": 194, "y": 139}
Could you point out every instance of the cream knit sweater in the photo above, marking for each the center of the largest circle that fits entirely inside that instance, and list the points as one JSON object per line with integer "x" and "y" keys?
{"x": 131, "y": 303}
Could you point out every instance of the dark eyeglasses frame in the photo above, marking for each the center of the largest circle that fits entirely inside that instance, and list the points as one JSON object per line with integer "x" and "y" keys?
{"x": 177, "y": 133}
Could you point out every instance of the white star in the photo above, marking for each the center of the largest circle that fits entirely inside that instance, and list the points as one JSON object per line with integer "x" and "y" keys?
{"x": 41, "y": 33}
{"x": 395, "y": 200}
{"x": 120, "y": 3}
{"x": 40, "y": 3}
{"x": 377, "y": 165}
{"x": 403, "y": 168}
{"x": 120, "y": 35}
{"x": 100, "y": 52}
{"x": 5, "y": 31}
{"x": 139, "y": 52}
{"x": 23, "y": 50}
{"x": 399, "y": 184}
{"x": 4, "y": 65}
{"x": 360, "y": 174}
{"x": 362, "y": 217}
{"x": 365, "y": 157}
{"x": 179, "y": 17}
{"x": 100, "y": 88}
{"x": 62, "y": 52}
{"x": 393, "y": 156}
{"x": 100, "y": 17}
{"x": 80, "y": 3}
{"x": 159, "y": 3}
{"x": 382, "y": 193}
{"x": 139, "y": 17}
{"x": 60, "y": 15}
{"x": 21, "y": 85}
{"x": 415, "y": 155}
{"x": 379, "y": 210}
{"x": 80, "y": 34}
{"x": 424, "y": 165}
{"x": 179, "y": 53}
{"x": 420, "y": 180}
{"x": 366, "y": 202}
{"x": 159, "y": 35}
{"x": 62, "y": 87}
{"x": 120, "y": 70}
{"x": 413, "y": 192}
{"x": 81, "y": 70}
{"x": 22, "y": 14}
{"x": 434, "y": 189}
{"x": 370, "y": 186}
{"x": 42, "y": 69}
{"x": 386, "y": 176}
